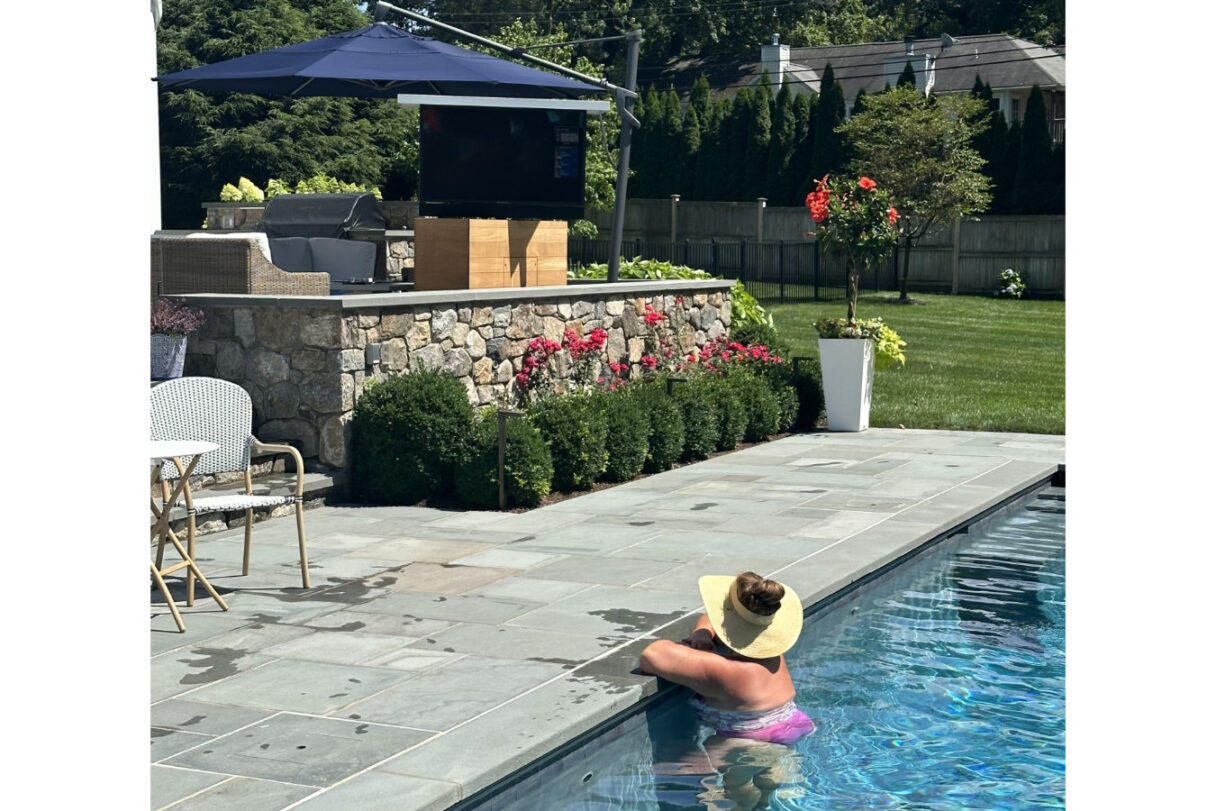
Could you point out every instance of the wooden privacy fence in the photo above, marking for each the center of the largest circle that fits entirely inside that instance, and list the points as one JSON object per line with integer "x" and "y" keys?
{"x": 785, "y": 265}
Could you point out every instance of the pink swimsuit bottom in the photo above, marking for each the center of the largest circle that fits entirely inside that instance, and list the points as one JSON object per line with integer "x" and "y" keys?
{"x": 784, "y": 724}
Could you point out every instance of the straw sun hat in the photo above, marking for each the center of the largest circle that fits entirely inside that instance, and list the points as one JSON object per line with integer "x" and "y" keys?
{"x": 743, "y": 631}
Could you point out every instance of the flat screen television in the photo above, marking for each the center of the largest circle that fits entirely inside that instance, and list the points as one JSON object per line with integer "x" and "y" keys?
{"x": 524, "y": 164}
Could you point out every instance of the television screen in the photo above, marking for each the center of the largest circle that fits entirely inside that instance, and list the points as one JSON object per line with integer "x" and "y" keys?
{"x": 501, "y": 163}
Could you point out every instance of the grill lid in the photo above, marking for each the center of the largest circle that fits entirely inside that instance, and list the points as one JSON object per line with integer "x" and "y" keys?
{"x": 320, "y": 215}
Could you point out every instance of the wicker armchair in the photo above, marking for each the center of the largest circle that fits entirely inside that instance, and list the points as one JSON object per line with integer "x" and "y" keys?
{"x": 214, "y": 410}
{"x": 225, "y": 263}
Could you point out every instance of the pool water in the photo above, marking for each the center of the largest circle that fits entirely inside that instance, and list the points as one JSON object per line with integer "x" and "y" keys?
{"x": 939, "y": 685}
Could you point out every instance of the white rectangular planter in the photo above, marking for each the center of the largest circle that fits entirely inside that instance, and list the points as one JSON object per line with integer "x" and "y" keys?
{"x": 848, "y": 377}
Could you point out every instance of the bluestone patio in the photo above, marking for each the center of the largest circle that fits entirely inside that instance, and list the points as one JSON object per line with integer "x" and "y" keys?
{"x": 439, "y": 651}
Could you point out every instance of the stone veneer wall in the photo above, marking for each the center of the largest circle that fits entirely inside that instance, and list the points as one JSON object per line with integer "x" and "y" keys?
{"x": 305, "y": 360}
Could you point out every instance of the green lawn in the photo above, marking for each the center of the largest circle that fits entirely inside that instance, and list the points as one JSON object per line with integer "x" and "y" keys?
{"x": 974, "y": 363}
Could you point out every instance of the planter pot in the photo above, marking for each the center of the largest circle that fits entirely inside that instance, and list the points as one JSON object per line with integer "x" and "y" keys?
{"x": 168, "y": 355}
{"x": 848, "y": 377}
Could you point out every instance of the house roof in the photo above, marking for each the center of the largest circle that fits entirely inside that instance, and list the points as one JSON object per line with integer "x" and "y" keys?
{"x": 1004, "y": 62}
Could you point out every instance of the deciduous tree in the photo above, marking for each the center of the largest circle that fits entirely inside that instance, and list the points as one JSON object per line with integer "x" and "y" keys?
{"x": 920, "y": 149}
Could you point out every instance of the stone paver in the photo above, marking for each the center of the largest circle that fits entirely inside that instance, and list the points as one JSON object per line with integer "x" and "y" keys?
{"x": 438, "y": 651}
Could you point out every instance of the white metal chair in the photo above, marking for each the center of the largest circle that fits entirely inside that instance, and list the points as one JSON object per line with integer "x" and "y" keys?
{"x": 214, "y": 410}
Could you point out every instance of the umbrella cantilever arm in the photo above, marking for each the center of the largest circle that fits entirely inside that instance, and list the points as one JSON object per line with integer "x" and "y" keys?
{"x": 382, "y": 8}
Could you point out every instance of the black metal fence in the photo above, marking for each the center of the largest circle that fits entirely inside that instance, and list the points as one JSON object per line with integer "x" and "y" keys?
{"x": 771, "y": 271}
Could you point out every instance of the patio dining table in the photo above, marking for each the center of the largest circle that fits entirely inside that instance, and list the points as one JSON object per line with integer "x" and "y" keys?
{"x": 174, "y": 451}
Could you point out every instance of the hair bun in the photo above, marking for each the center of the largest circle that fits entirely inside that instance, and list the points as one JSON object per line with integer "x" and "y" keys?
{"x": 758, "y": 594}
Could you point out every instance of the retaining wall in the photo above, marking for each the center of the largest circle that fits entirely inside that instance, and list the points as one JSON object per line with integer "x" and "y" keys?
{"x": 305, "y": 360}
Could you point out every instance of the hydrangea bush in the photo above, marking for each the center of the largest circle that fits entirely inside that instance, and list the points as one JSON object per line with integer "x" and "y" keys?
{"x": 1009, "y": 284}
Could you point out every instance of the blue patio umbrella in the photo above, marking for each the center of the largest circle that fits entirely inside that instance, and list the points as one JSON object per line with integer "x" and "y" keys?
{"x": 378, "y": 61}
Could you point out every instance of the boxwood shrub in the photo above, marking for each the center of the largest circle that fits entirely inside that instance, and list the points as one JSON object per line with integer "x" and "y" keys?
{"x": 700, "y": 413}
{"x": 628, "y": 433}
{"x": 666, "y": 424}
{"x": 407, "y": 434}
{"x": 527, "y": 466}
{"x": 761, "y": 405}
{"x": 576, "y": 432}
{"x": 730, "y": 411}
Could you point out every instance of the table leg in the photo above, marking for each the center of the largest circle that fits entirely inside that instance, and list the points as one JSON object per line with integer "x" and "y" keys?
{"x": 162, "y": 532}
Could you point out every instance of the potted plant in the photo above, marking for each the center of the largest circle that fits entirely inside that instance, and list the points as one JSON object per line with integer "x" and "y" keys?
{"x": 172, "y": 321}
{"x": 856, "y": 222}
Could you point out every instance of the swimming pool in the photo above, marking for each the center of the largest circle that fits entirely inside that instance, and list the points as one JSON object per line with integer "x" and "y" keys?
{"x": 937, "y": 685}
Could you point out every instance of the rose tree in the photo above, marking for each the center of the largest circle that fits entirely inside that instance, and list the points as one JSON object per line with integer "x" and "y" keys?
{"x": 857, "y": 223}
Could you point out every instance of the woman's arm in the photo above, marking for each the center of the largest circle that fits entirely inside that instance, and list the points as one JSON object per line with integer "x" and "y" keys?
{"x": 706, "y": 673}
{"x": 702, "y": 635}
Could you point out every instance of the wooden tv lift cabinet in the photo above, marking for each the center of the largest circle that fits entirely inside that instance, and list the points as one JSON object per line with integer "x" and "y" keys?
{"x": 465, "y": 254}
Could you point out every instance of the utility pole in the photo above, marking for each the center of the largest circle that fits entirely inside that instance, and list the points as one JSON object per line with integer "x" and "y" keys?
{"x": 624, "y": 106}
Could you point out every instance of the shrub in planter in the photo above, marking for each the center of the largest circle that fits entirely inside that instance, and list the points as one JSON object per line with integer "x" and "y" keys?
{"x": 407, "y": 433}
{"x": 576, "y": 432}
{"x": 700, "y": 414}
{"x": 730, "y": 411}
{"x": 628, "y": 433}
{"x": 761, "y": 404}
{"x": 527, "y": 466}
{"x": 666, "y": 437}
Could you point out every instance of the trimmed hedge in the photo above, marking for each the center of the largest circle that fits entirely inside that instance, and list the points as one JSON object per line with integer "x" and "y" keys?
{"x": 701, "y": 422}
{"x": 576, "y": 431}
{"x": 628, "y": 434}
{"x": 527, "y": 465}
{"x": 666, "y": 426}
{"x": 761, "y": 405}
{"x": 407, "y": 434}
{"x": 731, "y": 414}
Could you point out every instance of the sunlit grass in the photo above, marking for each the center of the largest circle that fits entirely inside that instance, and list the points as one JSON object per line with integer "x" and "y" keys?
{"x": 974, "y": 363}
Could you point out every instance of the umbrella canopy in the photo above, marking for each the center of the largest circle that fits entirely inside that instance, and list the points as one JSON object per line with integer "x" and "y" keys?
{"x": 378, "y": 61}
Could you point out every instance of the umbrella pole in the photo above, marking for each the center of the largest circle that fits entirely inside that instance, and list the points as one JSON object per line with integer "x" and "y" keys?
{"x": 624, "y": 105}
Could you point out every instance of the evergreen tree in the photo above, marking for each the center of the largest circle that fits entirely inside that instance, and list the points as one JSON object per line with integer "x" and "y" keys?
{"x": 1032, "y": 185}
{"x": 795, "y": 191}
{"x": 647, "y": 157}
{"x": 1008, "y": 170}
{"x": 759, "y": 136}
{"x": 713, "y": 181}
{"x": 859, "y": 102}
{"x": 737, "y": 128}
{"x": 670, "y": 141}
{"x": 699, "y": 99}
{"x": 687, "y": 156}
{"x": 1057, "y": 180}
{"x": 991, "y": 143}
{"x": 827, "y": 151}
{"x": 781, "y": 146}
{"x": 908, "y": 77}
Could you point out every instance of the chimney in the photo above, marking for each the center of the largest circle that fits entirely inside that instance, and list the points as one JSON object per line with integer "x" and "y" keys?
{"x": 775, "y": 58}
{"x": 909, "y": 42}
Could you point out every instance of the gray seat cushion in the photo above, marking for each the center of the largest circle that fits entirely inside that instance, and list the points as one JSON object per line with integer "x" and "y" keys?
{"x": 291, "y": 253}
{"x": 343, "y": 258}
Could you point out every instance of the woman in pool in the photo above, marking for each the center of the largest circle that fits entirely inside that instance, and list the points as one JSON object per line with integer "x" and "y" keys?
{"x": 744, "y": 690}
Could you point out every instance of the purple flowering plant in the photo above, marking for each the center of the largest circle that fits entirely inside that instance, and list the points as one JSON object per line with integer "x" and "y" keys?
{"x": 174, "y": 317}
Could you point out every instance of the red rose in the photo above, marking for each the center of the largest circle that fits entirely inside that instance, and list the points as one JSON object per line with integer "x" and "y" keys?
{"x": 866, "y": 183}
{"x": 892, "y": 215}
